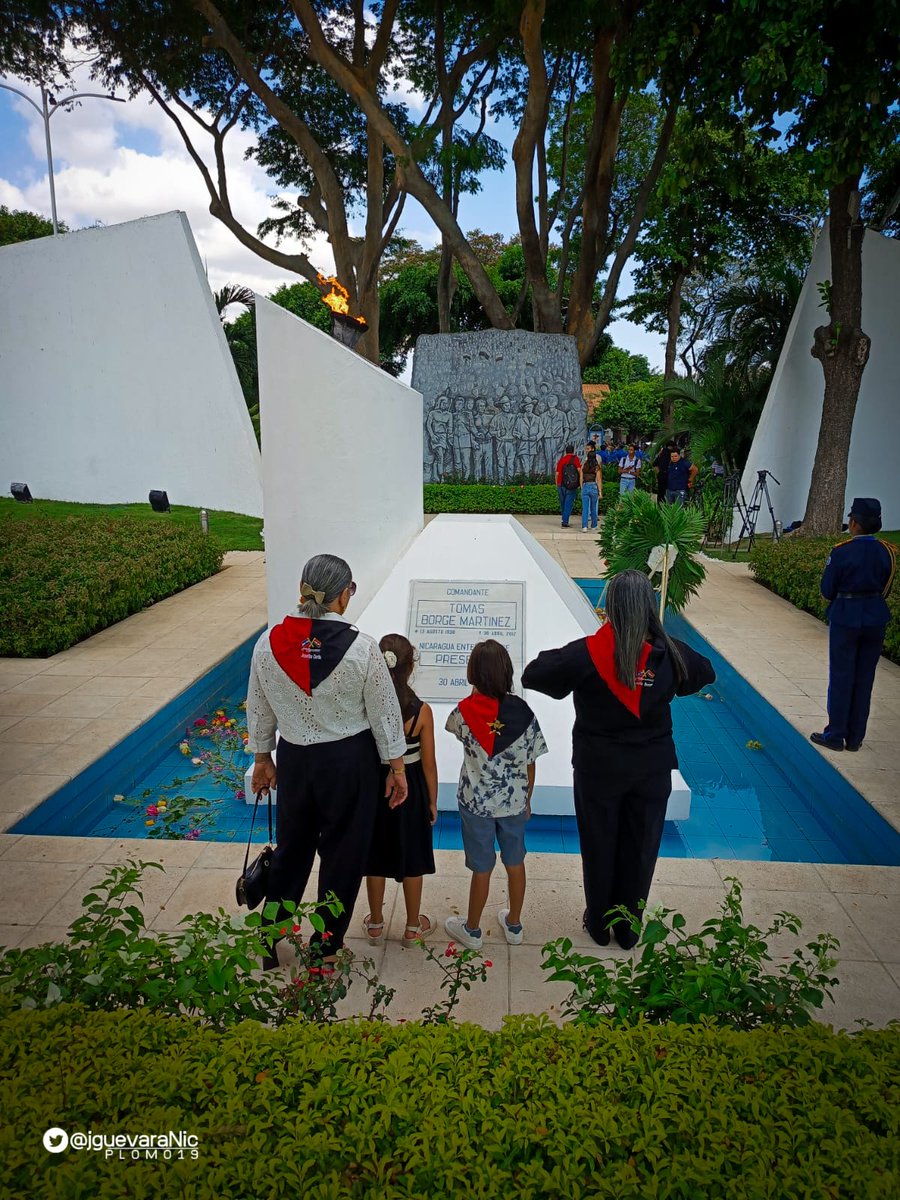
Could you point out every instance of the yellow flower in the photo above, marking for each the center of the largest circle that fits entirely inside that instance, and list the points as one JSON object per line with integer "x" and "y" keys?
{"x": 150, "y": 822}
{"x": 161, "y": 805}
{"x": 184, "y": 747}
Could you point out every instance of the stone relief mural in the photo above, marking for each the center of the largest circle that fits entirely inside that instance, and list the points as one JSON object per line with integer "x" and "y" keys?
{"x": 497, "y": 403}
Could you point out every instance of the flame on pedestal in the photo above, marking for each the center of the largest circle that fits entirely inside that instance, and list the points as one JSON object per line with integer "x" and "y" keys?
{"x": 338, "y": 297}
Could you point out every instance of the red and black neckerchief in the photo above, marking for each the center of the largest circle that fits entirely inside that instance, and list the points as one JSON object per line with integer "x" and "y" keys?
{"x": 308, "y": 651}
{"x": 601, "y": 647}
{"x": 495, "y": 724}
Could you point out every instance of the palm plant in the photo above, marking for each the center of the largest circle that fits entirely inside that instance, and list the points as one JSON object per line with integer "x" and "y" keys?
{"x": 637, "y": 524}
{"x": 753, "y": 317}
{"x": 233, "y": 293}
{"x": 721, "y": 409}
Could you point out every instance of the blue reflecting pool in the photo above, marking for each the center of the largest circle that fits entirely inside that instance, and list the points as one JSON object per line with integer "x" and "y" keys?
{"x": 781, "y": 802}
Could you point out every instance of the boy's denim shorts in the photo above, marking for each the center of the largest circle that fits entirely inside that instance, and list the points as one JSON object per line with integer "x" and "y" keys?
{"x": 478, "y": 834}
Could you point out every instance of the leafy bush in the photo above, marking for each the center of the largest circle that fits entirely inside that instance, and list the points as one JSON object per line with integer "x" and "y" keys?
{"x": 111, "y": 960}
{"x": 637, "y": 523}
{"x": 368, "y": 1110}
{"x": 539, "y": 498}
{"x": 719, "y": 974}
{"x": 62, "y": 580}
{"x": 792, "y": 568}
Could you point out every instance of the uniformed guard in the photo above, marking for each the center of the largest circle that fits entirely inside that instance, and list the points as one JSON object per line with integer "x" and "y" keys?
{"x": 856, "y": 582}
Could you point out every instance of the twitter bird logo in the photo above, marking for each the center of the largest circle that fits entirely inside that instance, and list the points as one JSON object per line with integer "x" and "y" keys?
{"x": 55, "y": 1140}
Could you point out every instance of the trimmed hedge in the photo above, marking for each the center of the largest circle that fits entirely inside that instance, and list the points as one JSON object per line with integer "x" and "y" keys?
{"x": 62, "y": 580}
{"x": 536, "y": 498}
{"x": 792, "y": 568}
{"x": 364, "y": 1109}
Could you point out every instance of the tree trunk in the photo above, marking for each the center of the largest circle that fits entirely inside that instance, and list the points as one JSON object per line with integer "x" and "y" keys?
{"x": 673, "y": 328}
{"x": 843, "y": 350}
{"x": 532, "y": 130}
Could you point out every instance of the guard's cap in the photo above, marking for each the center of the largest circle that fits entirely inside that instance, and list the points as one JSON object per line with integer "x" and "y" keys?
{"x": 866, "y": 507}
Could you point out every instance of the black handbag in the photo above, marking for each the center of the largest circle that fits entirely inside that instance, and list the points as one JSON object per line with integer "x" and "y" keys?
{"x": 253, "y": 881}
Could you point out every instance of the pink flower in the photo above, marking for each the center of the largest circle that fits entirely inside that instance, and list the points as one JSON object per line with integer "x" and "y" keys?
{"x": 152, "y": 810}
{"x": 240, "y": 794}
{"x": 193, "y": 834}
{"x": 200, "y": 722}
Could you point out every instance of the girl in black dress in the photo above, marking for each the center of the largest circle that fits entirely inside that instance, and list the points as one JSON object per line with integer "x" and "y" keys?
{"x": 402, "y": 843}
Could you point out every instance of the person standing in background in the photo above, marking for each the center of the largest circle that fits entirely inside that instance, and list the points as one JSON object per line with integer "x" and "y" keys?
{"x": 590, "y": 489}
{"x": 568, "y": 478}
{"x": 856, "y": 582}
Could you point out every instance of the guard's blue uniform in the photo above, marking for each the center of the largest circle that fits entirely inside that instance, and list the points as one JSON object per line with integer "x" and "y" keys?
{"x": 856, "y": 581}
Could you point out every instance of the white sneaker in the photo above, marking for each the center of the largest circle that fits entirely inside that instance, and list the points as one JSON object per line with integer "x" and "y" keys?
{"x": 514, "y": 939}
{"x": 456, "y": 928}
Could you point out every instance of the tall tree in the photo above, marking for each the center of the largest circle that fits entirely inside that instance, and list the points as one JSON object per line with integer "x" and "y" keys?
{"x": 725, "y": 196}
{"x": 833, "y": 66}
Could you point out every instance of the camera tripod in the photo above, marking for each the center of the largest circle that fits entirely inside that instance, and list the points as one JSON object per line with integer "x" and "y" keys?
{"x": 751, "y": 512}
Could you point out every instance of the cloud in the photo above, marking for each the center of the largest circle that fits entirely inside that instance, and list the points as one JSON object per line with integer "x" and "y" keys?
{"x": 117, "y": 162}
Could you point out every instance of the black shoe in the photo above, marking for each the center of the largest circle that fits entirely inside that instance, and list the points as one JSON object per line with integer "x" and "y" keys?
{"x": 602, "y": 939}
{"x": 626, "y": 937}
{"x": 852, "y": 746}
{"x": 829, "y": 743}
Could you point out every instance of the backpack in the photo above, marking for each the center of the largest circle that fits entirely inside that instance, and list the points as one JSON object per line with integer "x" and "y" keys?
{"x": 570, "y": 475}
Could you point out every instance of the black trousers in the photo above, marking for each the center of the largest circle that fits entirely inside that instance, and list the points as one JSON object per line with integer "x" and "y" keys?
{"x": 853, "y": 656}
{"x": 328, "y": 795}
{"x": 620, "y": 828}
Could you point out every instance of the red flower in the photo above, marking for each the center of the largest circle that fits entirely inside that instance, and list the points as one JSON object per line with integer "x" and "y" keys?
{"x": 295, "y": 929}
{"x": 200, "y": 722}
{"x": 488, "y": 963}
{"x": 325, "y": 936}
{"x": 284, "y": 931}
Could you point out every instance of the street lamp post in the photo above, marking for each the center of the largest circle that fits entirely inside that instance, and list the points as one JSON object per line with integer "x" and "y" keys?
{"x": 46, "y": 109}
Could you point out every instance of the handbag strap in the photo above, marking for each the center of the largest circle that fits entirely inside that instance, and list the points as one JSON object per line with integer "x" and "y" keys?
{"x": 253, "y": 820}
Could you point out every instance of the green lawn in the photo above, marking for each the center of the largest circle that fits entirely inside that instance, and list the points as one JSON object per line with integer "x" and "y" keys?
{"x": 232, "y": 530}
{"x": 889, "y": 535}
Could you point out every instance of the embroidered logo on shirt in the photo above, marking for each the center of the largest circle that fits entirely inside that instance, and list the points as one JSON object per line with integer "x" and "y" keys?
{"x": 309, "y": 650}
{"x": 310, "y": 644}
{"x": 645, "y": 678}
{"x": 495, "y": 726}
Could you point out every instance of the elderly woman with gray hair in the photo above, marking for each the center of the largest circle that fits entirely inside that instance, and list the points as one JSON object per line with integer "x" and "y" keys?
{"x": 326, "y": 688}
{"x": 623, "y": 679}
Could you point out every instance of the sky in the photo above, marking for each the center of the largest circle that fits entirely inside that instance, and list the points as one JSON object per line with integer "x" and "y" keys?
{"x": 116, "y": 162}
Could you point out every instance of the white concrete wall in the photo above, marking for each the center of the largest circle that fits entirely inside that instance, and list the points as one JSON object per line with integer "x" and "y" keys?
{"x": 342, "y": 458}
{"x": 115, "y": 376}
{"x": 788, "y": 430}
{"x": 466, "y": 547}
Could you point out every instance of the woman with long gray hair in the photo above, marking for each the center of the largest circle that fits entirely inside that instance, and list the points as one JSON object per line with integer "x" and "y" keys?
{"x": 326, "y": 688}
{"x": 623, "y": 679}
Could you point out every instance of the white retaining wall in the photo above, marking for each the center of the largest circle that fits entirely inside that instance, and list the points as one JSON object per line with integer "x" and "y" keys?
{"x": 342, "y": 458}
{"x": 115, "y": 376}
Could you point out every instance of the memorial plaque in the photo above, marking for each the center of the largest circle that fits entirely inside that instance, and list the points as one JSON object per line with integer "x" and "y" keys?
{"x": 448, "y": 616}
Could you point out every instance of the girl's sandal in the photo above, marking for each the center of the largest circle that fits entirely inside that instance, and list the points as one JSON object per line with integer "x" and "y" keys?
{"x": 417, "y": 933}
{"x": 374, "y": 931}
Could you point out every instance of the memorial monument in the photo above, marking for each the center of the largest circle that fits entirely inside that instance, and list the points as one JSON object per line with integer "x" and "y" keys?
{"x": 497, "y": 403}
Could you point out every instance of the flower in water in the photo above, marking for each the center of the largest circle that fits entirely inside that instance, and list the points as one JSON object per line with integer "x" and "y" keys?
{"x": 184, "y": 748}
{"x": 193, "y": 834}
{"x": 200, "y": 722}
{"x": 150, "y": 822}
{"x": 197, "y": 761}
{"x": 162, "y": 805}
{"x": 240, "y": 794}
{"x": 152, "y": 810}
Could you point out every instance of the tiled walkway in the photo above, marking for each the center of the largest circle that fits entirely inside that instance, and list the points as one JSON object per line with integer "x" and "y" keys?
{"x": 114, "y": 680}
